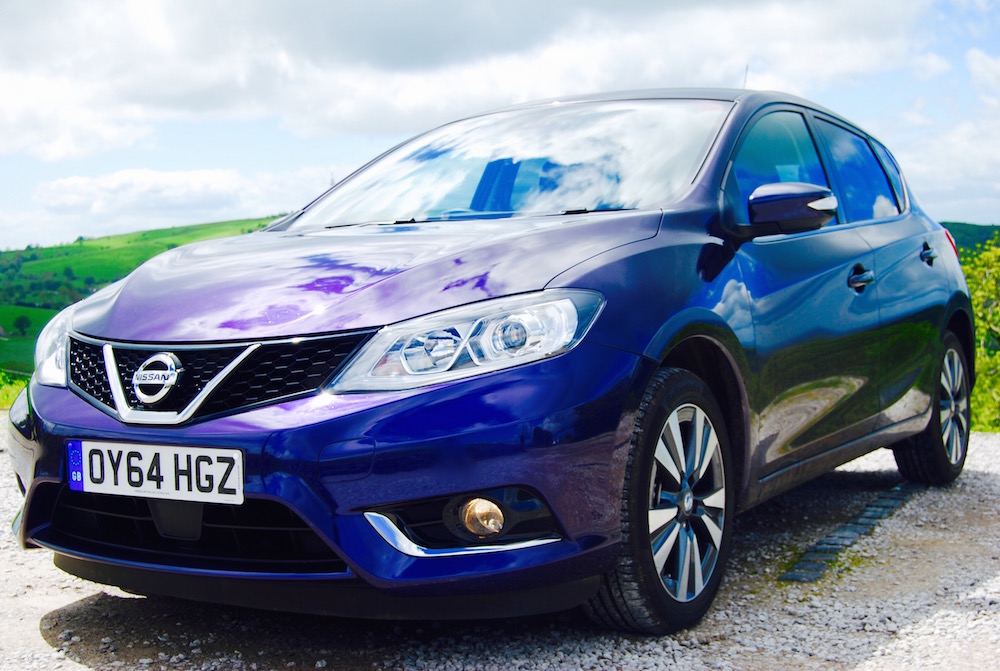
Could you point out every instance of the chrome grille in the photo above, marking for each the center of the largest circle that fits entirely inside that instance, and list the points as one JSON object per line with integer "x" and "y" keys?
{"x": 213, "y": 379}
{"x": 277, "y": 371}
{"x": 200, "y": 366}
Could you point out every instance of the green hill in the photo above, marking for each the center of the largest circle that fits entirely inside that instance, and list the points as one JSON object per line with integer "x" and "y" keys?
{"x": 970, "y": 236}
{"x": 36, "y": 282}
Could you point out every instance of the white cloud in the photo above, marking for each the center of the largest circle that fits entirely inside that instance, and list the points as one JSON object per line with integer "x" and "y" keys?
{"x": 930, "y": 65}
{"x": 82, "y": 79}
{"x": 980, "y": 5}
{"x": 54, "y": 116}
{"x": 130, "y": 200}
{"x": 916, "y": 115}
{"x": 23, "y": 228}
{"x": 985, "y": 71}
{"x": 141, "y": 191}
{"x": 958, "y": 171}
{"x": 96, "y": 77}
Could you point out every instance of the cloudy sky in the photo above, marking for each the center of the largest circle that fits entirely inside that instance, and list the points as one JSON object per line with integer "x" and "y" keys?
{"x": 117, "y": 116}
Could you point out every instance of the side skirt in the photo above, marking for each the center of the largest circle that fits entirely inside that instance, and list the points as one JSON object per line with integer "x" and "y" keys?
{"x": 811, "y": 468}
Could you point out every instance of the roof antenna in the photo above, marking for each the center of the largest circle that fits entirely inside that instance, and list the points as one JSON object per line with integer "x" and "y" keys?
{"x": 746, "y": 73}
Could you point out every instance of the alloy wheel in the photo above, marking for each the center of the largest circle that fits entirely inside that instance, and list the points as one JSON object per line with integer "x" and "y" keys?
{"x": 687, "y": 502}
{"x": 954, "y": 407}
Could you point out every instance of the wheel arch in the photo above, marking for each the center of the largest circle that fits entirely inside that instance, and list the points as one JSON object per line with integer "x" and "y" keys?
{"x": 712, "y": 359}
{"x": 960, "y": 323}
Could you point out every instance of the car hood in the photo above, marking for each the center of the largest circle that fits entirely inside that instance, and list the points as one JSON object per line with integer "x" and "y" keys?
{"x": 274, "y": 284}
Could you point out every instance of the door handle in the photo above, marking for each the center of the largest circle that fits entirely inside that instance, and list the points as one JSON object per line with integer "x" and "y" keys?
{"x": 860, "y": 278}
{"x": 927, "y": 254}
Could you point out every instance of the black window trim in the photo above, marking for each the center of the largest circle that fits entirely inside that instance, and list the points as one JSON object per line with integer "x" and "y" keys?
{"x": 904, "y": 207}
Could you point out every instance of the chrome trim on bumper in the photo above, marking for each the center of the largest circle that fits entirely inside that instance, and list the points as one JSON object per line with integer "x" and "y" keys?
{"x": 392, "y": 535}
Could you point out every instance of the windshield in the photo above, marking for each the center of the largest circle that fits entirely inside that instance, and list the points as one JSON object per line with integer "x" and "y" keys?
{"x": 543, "y": 160}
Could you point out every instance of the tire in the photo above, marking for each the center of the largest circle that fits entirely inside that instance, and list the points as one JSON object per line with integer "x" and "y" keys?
{"x": 666, "y": 579}
{"x": 936, "y": 456}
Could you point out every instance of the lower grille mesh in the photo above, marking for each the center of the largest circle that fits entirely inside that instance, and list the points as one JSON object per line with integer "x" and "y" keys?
{"x": 87, "y": 372}
{"x": 259, "y": 536}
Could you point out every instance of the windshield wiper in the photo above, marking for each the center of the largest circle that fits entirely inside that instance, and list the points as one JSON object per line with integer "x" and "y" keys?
{"x": 466, "y": 215}
{"x": 372, "y": 223}
{"x": 588, "y": 210}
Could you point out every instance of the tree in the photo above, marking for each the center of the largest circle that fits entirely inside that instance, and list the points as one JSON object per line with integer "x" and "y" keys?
{"x": 982, "y": 272}
{"x": 21, "y": 324}
{"x": 68, "y": 272}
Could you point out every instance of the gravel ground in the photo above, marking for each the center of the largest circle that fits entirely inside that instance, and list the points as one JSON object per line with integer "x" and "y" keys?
{"x": 922, "y": 591}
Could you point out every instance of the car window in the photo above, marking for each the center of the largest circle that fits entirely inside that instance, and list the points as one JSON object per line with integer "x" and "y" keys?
{"x": 539, "y": 160}
{"x": 778, "y": 148}
{"x": 891, "y": 169}
{"x": 866, "y": 191}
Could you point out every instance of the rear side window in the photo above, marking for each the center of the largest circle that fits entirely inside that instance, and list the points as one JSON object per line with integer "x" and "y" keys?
{"x": 891, "y": 169}
{"x": 778, "y": 148}
{"x": 866, "y": 191}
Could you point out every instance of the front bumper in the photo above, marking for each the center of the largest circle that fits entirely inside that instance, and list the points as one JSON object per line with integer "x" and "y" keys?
{"x": 559, "y": 428}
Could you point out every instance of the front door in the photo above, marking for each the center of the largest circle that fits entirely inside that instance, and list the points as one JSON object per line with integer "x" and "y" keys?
{"x": 815, "y": 315}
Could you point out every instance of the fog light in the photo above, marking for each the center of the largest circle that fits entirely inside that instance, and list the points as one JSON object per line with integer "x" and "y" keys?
{"x": 481, "y": 517}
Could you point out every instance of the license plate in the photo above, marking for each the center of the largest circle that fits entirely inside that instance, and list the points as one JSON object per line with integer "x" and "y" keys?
{"x": 209, "y": 475}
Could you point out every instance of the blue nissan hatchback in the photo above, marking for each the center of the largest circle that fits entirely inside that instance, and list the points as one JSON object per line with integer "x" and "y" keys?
{"x": 530, "y": 360}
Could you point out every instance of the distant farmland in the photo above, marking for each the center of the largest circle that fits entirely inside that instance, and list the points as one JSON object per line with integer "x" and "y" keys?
{"x": 37, "y": 282}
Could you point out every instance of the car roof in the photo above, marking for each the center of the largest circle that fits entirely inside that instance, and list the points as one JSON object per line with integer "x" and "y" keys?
{"x": 748, "y": 98}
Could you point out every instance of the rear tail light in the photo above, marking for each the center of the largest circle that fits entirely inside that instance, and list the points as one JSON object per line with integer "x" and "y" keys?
{"x": 954, "y": 247}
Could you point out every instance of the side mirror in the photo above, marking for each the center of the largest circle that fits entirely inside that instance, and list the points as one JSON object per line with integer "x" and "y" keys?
{"x": 782, "y": 207}
{"x": 790, "y": 207}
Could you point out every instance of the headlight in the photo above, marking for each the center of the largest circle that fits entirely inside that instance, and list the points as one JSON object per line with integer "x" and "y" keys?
{"x": 51, "y": 349}
{"x": 471, "y": 340}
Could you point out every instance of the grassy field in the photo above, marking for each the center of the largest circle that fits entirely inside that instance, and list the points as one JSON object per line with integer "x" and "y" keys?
{"x": 32, "y": 275}
{"x": 17, "y": 351}
{"x": 38, "y": 317}
{"x": 37, "y": 282}
{"x": 10, "y": 387}
{"x": 41, "y": 284}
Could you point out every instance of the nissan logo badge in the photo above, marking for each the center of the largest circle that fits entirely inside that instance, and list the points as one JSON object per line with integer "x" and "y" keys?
{"x": 156, "y": 377}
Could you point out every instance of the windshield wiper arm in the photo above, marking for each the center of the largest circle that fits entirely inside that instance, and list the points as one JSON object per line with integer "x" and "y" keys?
{"x": 588, "y": 210}
{"x": 373, "y": 223}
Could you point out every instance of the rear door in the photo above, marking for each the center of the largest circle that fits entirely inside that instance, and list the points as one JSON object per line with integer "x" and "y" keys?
{"x": 815, "y": 318}
{"x": 911, "y": 286}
